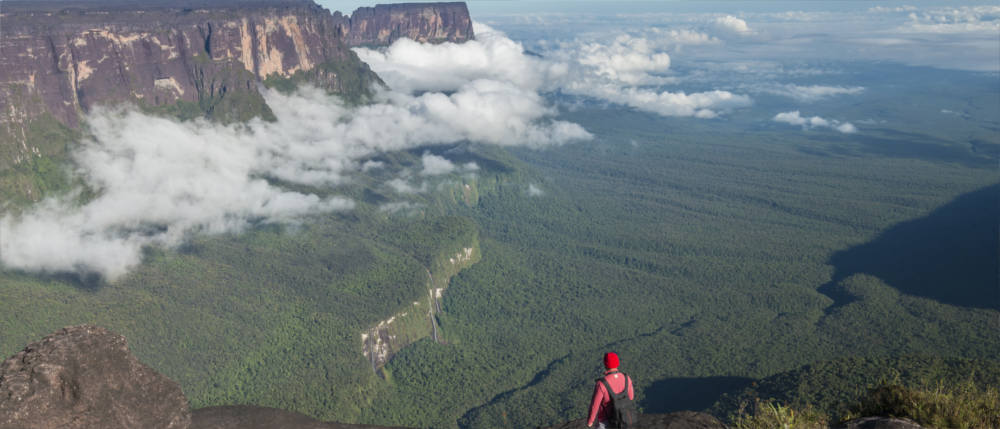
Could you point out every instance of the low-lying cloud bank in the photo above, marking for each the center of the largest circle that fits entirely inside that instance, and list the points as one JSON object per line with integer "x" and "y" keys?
{"x": 624, "y": 69}
{"x": 795, "y": 118}
{"x": 810, "y": 93}
{"x": 159, "y": 181}
{"x": 943, "y": 35}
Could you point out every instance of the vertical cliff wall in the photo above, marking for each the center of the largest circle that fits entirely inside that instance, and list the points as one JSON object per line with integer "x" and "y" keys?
{"x": 186, "y": 58}
{"x": 72, "y": 59}
{"x": 424, "y": 22}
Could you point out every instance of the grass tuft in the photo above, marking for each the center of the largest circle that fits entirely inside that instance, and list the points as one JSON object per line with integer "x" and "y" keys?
{"x": 772, "y": 414}
{"x": 960, "y": 406}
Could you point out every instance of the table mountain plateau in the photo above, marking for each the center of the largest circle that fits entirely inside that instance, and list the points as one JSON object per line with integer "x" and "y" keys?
{"x": 192, "y": 58}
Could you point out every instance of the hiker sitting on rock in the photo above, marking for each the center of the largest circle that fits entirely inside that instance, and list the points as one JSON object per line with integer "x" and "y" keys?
{"x": 612, "y": 406}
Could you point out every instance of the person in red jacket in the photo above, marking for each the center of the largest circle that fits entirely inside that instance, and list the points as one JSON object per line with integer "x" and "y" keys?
{"x": 601, "y": 404}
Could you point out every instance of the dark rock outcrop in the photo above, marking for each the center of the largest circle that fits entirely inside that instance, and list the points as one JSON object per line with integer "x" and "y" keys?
{"x": 248, "y": 417}
{"x": 880, "y": 423}
{"x": 85, "y": 377}
{"x": 424, "y": 22}
{"x": 678, "y": 420}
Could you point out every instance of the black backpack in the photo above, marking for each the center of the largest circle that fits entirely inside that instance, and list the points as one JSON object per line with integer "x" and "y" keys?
{"x": 622, "y": 413}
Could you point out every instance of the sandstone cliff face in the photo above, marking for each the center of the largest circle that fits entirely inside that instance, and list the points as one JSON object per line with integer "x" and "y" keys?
{"x": 424, "y": 22}
{"x": 71, "y": 60}
{"x": 187, "y": 58}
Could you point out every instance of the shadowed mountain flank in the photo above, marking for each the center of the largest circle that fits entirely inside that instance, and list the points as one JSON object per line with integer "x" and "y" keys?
{"x": 689, "y": 393}
{"x": 950, "y": 256}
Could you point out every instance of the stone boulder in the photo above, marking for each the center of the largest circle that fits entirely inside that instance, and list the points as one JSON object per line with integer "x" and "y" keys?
{"x": 678, "y": 420}
{"x": 85, "y": 377}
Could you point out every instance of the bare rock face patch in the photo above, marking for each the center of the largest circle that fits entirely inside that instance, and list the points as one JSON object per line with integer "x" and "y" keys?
{"x": 86, "y": 377}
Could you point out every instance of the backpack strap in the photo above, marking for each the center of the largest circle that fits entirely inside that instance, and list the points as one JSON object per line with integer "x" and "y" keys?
{"x": 611, "y": 393}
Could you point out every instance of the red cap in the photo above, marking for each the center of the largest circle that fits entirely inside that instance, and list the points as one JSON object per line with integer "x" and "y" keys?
{"x": 610, "y": 360}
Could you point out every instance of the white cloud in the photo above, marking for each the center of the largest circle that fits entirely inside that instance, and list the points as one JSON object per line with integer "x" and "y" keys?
{"x": 810, "y": 93}
{"x": 846, "y": 128}
{"x": 699, "y": 104}
{"x": 683, "y": 37}
{"x": 534, "y": 191}
{"x": 610, "y": 69}
{"x": 408, "y": 66}
{"x": 161, "y": 180}
{"x": 884, "y": 9}
{"x": 399, "y": 206}
{"x": 731, "y": 25}
{"x": 626, "y": 59}
{"x": 965, "y": 19}
{"x": 623, "y": 70}
{"x": 402, "y": 186}
{"x": 436, "y": 165}
{"x": 372, "y": 165}
{"x": 795, "y": 118}
{"x": 950, "y": 37}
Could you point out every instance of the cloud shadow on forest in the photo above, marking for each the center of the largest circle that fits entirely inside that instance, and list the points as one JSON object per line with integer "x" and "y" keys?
{"x": 884, "y": 142}
{"x": 950, "y": 255}
{"x": 689, "y": 393}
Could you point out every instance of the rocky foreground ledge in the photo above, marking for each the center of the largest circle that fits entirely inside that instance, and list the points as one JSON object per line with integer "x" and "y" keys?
{"x": 85, "y": 377}
{"x": 678, "y": 420}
